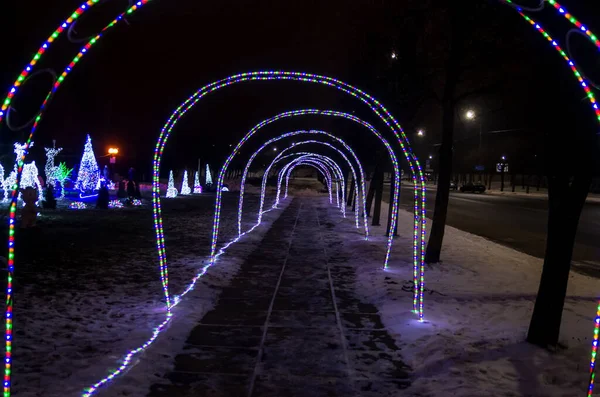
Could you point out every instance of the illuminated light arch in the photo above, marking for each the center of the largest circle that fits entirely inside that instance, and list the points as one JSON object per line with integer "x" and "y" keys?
{"x": 281, "y": 156}
{"x": 361, "y": 173}
{"x": 294, "y": 133}
{"x": 287, "y": 169}
{"x": 306, "y": 160}
{"x": 139, "y": 4}
{"x": 305, "y": 156}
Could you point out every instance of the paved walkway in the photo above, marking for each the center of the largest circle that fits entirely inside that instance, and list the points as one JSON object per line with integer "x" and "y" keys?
{"x": 290, "y": 324}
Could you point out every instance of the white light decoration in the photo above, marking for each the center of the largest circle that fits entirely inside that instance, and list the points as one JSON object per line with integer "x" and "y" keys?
{"x": 185, "y": 185}
{"x": 50, "y": 169}
{"x": 171, "y": 190}
{"x": 89, "y": 173}
{"x": 197, "y": 185}
{"x": 225, "y": 189}
{"x": 30, "y": 178}
{"x": 209, "y": 180}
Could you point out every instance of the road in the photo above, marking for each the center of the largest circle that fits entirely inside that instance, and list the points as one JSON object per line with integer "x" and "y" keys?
{"x": 517, "y": 222}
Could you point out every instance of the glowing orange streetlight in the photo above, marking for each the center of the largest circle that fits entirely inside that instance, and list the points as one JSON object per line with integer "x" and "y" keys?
{"x": 112, "y": 152}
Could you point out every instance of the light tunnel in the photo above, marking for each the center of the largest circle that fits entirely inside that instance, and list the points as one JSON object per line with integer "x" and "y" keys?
{"x": 335, "y": 174}
{"x": 350, "y": 166}
{"x": 377, "y": 108}
{"x": 305, "y": 157}
{"x": 295, "y": 133}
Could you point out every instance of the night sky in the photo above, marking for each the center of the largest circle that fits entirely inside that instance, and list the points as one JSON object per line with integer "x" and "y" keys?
{"x": 123, "y": 91}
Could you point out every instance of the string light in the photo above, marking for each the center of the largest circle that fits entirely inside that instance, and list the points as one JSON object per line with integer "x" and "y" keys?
{"x": 302, "y": 132}
{"x": 303, "y": 161}
{"x": 50, "y": 168}
{"x": 115, "y": 204}
{"x": 209, "y": 180}
{"x": 171, "y": 190}
{"x": 379, "y": 110}
{"x": 323, "y": 161}
{"x": 77, "y": 205}
{"x": 89, "y": 173}
{"x": 197, "y": 185}
{"x": 185, "y": 187}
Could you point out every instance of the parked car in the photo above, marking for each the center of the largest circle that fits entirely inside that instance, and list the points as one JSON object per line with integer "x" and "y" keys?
{"x": 453, "y": 185}
{"x": 471, "y": 187}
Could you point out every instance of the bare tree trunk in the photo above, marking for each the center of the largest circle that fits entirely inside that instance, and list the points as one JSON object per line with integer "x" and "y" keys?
{"x": 565, "y": 205}
{"x": 438, "y": 225}
{"x": 378, "y": 180}
{"x": 351, "y": 193}
{"x": 371, "y": 194}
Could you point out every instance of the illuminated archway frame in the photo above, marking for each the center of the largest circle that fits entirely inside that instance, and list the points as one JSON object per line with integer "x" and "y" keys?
{"x": 310, "y": 158}
{"x": 281, "y": 156}
{"x": 352, "y": 170}
{"x": 294, "y": 133}
{"x": 87, "y": 5}
{"x": 341, "y": 176}
{"x": 331, "y": 113}
{"x": 305, "y": 156}
{"x": 335, "y": 170}
{"x": 288, "y": 167}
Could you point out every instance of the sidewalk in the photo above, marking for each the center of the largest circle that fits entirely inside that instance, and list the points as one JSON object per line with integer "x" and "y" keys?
{"x": 519, "y": 192}
{"x": 290, "y": 323}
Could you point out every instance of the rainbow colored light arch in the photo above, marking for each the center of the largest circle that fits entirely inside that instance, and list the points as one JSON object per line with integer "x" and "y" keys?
{"x": 306, "y": 157}
{"x": 311, "y": 132}
{"x": 85, "y": 7}
{"x": 357, "y": 196}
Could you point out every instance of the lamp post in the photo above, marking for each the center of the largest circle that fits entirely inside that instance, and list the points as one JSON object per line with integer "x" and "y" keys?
{"x": 471, "y": 115}
{"x": 112, "y": 152}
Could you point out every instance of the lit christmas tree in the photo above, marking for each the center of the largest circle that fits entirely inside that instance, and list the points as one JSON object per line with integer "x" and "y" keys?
{"x": 88, "y": 175}
{"x": 197, "y": 185}
{"x": 185, "y": 184}
{"x": 208, "y": 176}
{"x": 171, "y": 191}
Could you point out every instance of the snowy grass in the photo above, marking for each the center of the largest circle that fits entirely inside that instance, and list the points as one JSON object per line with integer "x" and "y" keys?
{"x": 478, "y": 305}
{"x": 87, "y": 287}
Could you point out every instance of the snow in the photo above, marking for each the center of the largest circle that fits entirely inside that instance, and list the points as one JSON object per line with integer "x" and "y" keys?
{"x": 478, "y": 305}
{"x": 87, "y": 289}
{"x": 95, "y": 294}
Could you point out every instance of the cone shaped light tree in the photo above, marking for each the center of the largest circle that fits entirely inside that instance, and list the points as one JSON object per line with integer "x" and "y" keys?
{"x": 197, "y": 185}
{"x": 89, "y": 173}
{"x": 171, "y": 190}
{"x": 185, "y": 185}
{"x": 209, "y": 180}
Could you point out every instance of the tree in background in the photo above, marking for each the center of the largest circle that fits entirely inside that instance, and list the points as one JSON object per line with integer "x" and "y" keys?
{"x": 89, "y": 173}
{"x": 61, "y": 175}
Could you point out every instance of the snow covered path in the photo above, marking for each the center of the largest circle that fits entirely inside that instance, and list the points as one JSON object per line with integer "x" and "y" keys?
{"x": 290, "y": 323}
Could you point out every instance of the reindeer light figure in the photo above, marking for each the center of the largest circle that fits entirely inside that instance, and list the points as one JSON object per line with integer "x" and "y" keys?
{"x": 50, "y": 168}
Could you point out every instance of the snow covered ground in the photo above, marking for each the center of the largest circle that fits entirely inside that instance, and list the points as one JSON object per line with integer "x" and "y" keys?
{"x": 87, "y": 288}
{"x": 477, "y": 309}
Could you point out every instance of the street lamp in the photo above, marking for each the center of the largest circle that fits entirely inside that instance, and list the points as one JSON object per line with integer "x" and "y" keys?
{"x": 430, "y": 157}
{"x": 420, "y": 133}
{"x": 471, "y": 116}
{"x": 394, "y": 55}
{"x": 112, "y": 152}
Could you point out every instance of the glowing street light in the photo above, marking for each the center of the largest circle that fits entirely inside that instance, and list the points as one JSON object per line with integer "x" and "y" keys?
{"x": 394, "y": 55}
{"x": 420, "y": 133}
{"x": 430, "y": 157}
{"x": 470, "y": 114}
{"x": 112, "y": 152}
